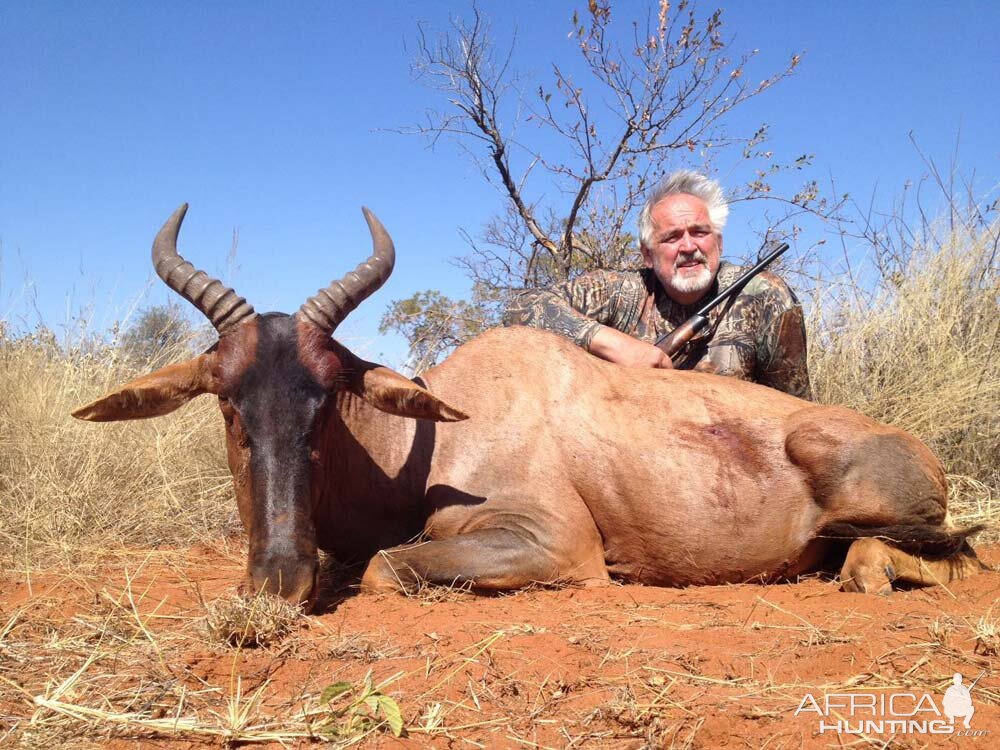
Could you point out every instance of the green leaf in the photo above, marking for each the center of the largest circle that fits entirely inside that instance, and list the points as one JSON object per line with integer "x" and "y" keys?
{"x": 390, "y": 709}
{"x": 332, "y": 691}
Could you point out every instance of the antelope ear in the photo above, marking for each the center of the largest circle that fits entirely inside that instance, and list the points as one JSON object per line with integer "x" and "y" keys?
{"x": 155, "y": 394}
{"x": 390, "y": 392}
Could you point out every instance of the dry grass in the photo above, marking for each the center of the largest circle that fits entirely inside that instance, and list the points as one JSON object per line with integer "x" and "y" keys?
{"x": 986, "y": 635}
{"x": 916, "y": 345}
{"x": 259, "y": 620}
{"x": 80, "y": 667}
{"x": 72, "y": 490}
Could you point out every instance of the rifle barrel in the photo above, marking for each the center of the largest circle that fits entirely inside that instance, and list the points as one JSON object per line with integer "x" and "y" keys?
{"x": 761, "y": 265}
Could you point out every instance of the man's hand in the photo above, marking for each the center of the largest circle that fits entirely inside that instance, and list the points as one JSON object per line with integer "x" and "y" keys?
{"x": 622, "y": 349}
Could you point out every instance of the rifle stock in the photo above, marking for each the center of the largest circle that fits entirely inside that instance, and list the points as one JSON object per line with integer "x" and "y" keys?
{"x": 682, "y": 335}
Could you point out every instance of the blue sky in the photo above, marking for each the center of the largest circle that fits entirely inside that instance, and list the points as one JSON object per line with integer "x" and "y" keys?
{"x": 275, "y": 119}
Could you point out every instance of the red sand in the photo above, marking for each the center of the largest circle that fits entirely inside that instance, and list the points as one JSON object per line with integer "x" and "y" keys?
{"x": 624, "y": 666}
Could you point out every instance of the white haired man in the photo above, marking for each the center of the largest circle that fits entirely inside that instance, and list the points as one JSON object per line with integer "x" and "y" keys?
{"x": 617, "y": 315}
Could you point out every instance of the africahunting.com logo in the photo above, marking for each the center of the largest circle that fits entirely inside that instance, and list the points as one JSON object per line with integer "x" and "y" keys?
{"x": 896, "y": 713}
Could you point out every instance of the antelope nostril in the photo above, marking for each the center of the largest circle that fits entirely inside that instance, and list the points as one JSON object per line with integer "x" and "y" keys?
{"x": 293, "y": 579}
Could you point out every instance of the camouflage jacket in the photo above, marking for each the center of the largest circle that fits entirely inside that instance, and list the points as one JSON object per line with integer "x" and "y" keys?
{"x": 760, "y": 338}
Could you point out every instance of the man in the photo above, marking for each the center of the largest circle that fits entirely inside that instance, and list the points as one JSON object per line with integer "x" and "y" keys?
{"x": 617, "y": 315}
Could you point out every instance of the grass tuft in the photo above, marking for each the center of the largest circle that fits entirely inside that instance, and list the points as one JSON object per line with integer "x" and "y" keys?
{"x": 986, "y": 634}
{"x": 259, "y": 620}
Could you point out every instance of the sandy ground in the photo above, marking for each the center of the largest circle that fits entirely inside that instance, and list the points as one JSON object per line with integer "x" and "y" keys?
{"x": 118, "y": 656}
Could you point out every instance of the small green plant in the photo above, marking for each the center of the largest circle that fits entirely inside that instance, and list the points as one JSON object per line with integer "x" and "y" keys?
{"x": 369, "y": 711}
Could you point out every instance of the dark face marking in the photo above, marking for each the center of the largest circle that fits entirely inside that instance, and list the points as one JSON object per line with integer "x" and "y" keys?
{"x": 277, "y": 398}
{"x": 273, "y": 403}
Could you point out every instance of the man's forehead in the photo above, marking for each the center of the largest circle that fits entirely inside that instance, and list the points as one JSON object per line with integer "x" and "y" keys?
{"x": 681, "y": 209}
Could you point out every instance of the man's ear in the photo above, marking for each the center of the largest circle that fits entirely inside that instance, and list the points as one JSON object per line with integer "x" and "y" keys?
{"x": 390, "y": 392}
{"x": 155, "y": 394}
{"x": 647, "y": 259}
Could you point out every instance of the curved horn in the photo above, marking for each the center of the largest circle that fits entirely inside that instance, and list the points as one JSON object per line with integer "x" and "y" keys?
{"x": 220, "y": 304}
{"x": 328, "y": 307}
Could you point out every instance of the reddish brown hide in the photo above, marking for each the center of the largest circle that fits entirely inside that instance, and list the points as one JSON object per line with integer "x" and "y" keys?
{"x": 568, "y": 468}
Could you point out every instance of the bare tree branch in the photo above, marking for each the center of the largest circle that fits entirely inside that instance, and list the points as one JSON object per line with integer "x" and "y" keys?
{"x": 594, "y": 137}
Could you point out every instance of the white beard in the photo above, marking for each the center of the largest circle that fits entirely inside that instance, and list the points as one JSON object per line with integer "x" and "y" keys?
{"x": 687, "y": 284}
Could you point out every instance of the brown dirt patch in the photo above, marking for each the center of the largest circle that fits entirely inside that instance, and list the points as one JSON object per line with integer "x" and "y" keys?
{"x": 118, "y": 656}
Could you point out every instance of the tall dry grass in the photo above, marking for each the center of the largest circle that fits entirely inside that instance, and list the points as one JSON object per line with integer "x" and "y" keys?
{"x": 72, "y": 488}
{"x": 909, "y": 336}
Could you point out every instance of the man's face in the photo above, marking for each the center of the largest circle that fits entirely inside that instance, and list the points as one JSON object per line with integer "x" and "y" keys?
{"x": 685, "y": 250}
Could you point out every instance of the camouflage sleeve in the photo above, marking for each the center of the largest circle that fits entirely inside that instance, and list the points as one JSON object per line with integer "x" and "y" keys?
{"x": 575, "y": 309}
{"x": 781, "y": 342}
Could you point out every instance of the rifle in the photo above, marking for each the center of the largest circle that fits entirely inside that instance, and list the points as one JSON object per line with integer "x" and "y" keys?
{"x": 694, "y": 327}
